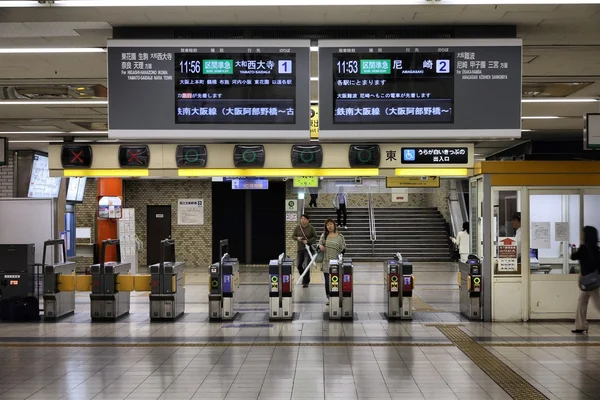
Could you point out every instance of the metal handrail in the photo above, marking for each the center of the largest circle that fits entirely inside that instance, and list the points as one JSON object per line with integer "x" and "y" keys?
{"x": 372, "y": 230}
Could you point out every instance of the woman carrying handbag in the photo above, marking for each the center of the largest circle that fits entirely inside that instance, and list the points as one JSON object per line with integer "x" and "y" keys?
{"x": 588, "y": 255}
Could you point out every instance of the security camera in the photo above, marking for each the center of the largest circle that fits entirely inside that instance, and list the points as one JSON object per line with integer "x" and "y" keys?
{"x": 285, "y": 179}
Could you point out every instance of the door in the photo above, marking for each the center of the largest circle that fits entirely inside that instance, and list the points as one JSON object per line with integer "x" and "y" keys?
{"x": 229, "y": 216}
{"x": 158, "y": 227}
{"x": 268, "y": 223}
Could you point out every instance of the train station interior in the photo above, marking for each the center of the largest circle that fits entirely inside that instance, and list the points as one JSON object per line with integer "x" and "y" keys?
{"x": 301, "y": 199}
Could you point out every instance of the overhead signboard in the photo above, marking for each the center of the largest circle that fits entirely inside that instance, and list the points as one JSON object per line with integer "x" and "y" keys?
{"x": 434, "y": 155}
{"x": 419, "y": 89}
{"x": 591, "y": 131}
{"x": 306, "y": 182}
{"x": 202, "y": 89}
{"x": 249, "y": 184}
{"x": 412, "y": 182}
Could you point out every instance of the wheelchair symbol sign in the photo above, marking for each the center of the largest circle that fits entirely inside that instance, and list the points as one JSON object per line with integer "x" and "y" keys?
{"x": 409, "y": 155}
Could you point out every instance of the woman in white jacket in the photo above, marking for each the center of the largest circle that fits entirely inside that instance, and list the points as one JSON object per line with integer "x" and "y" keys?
{"x": 462, "y": 241}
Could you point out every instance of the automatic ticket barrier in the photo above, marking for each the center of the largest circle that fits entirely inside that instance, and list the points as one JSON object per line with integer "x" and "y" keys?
{"x": 341, "y": 291}
{"x": 470, "y": 287}
{"x": 107, "y": 301}
{"x": 224, "y": 281}
{"x": 167, "y": 290}
{"x": 17, "y": 271}
{"x": 57, "y": 303}
{"x": 408, "y": 285}
{"x": 281, "y": 298}
{"x": 392, "y": 288}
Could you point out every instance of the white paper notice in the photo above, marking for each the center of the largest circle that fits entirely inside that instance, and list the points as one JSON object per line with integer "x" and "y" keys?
{"x": 190, "y": 212}
{"x": 540, "y": 235}
{"x": 291, "y": 217}
{"x": 561, "y": 231}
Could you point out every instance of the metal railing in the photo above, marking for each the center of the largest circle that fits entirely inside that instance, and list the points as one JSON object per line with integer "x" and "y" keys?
{"x": 372, "y": 230}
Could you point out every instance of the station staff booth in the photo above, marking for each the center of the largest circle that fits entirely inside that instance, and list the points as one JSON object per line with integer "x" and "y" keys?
{"x": 527, "y": 271}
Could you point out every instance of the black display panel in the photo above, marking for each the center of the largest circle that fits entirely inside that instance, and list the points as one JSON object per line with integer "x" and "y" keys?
{"x": 134, "y": 156}
{"x": 76, "y": 156}
{"x": 248, "y": 156}
{"x": 364, "y": 155}
{"x": 191, "y": 156}
{"x": 234, "y": 88}
{"x": 307, "y": 156}
{"x": 392, "y": 88}
{"x": 435, "y": 155}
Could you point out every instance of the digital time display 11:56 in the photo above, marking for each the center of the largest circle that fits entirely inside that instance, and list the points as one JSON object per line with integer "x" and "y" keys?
{"x": 190, "y": 67}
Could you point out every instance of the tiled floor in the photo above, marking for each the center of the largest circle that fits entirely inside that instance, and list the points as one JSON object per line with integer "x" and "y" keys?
{"x": 307, "y": 358}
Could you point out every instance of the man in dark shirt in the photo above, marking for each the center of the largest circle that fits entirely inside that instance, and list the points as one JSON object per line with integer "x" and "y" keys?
{"x": 304, "y": 234}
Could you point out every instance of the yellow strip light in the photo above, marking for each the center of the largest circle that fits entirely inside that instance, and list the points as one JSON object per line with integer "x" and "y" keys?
{"x": 106, "y": 173}
{"x": 278, "y": 172}
{"x": 432, "y": 172}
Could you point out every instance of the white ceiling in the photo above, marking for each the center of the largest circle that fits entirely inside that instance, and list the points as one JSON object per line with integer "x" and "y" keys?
{"x": 561, "y": 44}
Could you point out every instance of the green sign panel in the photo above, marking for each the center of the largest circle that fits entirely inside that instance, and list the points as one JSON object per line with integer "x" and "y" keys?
{"x": 217, "y": 66}
{"x": 306, "y": 181}
{"x": 375, "y": 66}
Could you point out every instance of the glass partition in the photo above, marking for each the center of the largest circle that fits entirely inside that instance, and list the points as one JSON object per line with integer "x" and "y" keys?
{"x": 554, "y": 231}
{"x": 506, "y": 228}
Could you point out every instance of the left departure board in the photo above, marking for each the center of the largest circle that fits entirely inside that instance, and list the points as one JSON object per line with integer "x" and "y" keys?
{"x": 217, "y": 90}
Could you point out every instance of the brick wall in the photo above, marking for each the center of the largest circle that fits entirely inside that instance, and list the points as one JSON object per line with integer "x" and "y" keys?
{"x": 7, "y": 176}
{"x": 193, "y": 244}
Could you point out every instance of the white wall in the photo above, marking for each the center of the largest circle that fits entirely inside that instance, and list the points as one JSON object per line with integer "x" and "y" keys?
{"x": 591, "y": 210}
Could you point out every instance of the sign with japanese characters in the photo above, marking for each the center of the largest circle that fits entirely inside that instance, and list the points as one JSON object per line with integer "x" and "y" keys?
{"x": 249, "y": 184}
{"x": 507, "y": 254}
{"x": 419, "y": 89}
{"x": 426, "y": 155}
{"x": 431, "y": 155}
{"x": 412, "y": 182}
{"x": 198, "y": 89}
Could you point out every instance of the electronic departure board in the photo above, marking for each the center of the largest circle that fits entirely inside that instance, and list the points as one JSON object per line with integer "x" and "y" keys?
{"x": 203, "y": 89}
{"x": 419, "y": 89}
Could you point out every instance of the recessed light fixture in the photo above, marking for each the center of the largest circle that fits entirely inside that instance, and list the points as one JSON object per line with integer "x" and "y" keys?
{"x": 314, "y": 48}
{"x": 560, "y": 100}
{"x": 314, "y": 78}
{"x": 32, "y": 50}
{"x": 542, "y": 117}
{"x": 51, "y": 102}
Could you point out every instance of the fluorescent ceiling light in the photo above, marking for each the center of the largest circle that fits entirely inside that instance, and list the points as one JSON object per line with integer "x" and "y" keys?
{"x": 35, "y": 141}
{"x": 560, "y": 100}
{"x": 51, "y": 102}
{"x": 314, "y": 48}
{"x": 525, "y": 130}
{"x": 314, "y": 78}
{"x": 543, "y": 117}
{"x": 52, "y": 50}
{"x": 278, "y": 3}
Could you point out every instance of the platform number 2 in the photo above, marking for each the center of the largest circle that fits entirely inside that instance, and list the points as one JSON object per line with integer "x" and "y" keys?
{"x": 442, "y": 66}
{"x": 285, "y": 67}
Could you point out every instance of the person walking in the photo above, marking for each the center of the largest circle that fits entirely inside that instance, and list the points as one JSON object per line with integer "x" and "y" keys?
{"x": 332, "y": 244}
{"x": 462, "y": 242}
{"x": 304, "y": 234}
{"x": 314, "y": 195}
{"x": 588, "y": 255}
{"x": 340, "y": 203}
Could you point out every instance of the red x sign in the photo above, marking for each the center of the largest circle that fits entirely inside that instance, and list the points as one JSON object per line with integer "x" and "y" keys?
{"x": 76, "y": 156}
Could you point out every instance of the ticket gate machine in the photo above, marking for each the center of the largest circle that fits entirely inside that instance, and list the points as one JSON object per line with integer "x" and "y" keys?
{"x": 341, "y": 299}
{"x": 408, "y": 285}
{"x": 167, "y": 290}
{"x": 223, "y": 284}
{"x": 57, "y": 303}
{"x": 281, "y": 272}
{"x": 470, "y": 288}
{"x": 17, "y": 271}
{"x": 107, "y": 302}
{"x": 392, "y": 289}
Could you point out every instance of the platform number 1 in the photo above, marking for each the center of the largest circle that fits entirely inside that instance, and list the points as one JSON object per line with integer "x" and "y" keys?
{"x": 442, "y": 66}
{"x": 285, "y": 67}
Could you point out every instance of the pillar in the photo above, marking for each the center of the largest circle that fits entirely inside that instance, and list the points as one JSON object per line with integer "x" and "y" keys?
{"x": 108, "y": 228}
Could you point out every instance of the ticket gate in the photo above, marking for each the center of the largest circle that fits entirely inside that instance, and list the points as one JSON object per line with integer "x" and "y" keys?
{"x": 341, "y": 299}
{"x": 57, "y": 303}
{"x": 107, "y": 301}
{"x": 392, "y": 289}
{"x": 470, "y": 288}
{"x": 167, "y": 290}
{"x": 223, "y": 284}
{"x": 281, "y": 272}
{"x": 408, "y": 285}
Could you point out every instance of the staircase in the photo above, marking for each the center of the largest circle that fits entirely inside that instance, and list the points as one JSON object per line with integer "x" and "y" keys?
{"x": 420, "y": 234}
